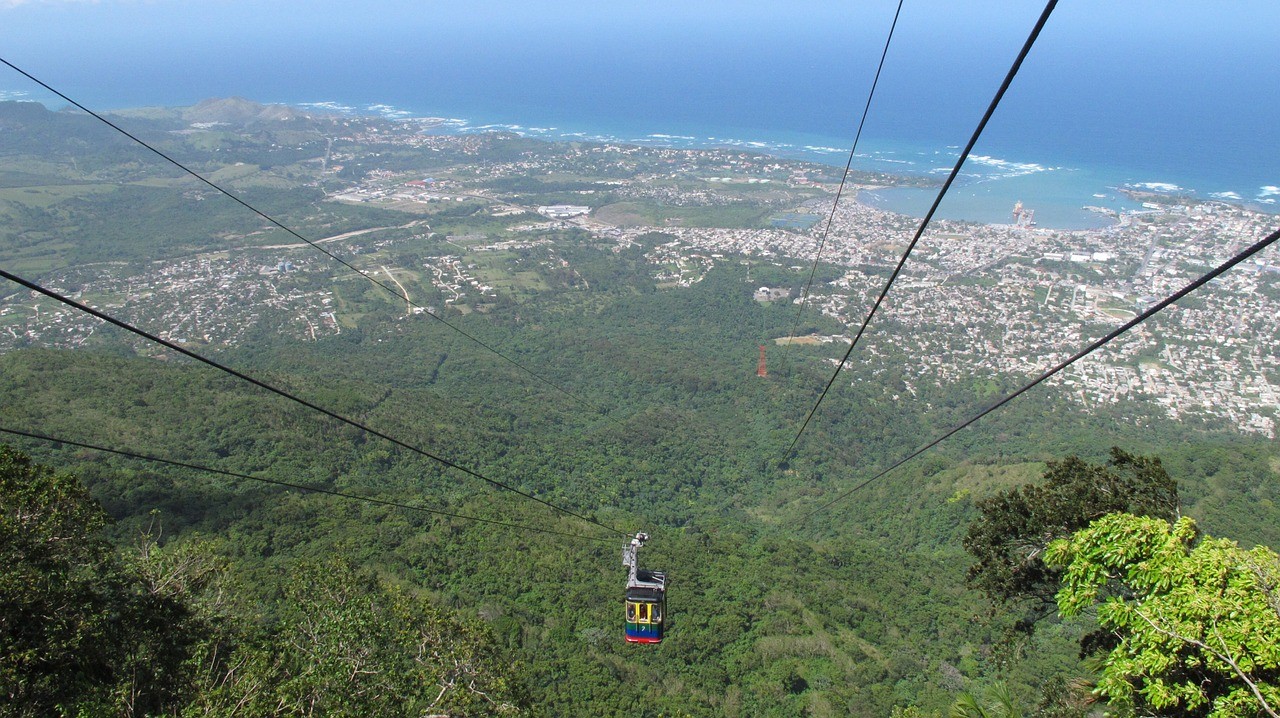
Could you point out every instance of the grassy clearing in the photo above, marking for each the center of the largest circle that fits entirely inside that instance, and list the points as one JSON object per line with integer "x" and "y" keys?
{"x": 231, "y": 173}
{"x": 36, "y": 260}
{"x": 623, "y": 214}
{"x": 984, "y": 480}
{"x": 637, "y": 214}
{"x": 498, "y": 271}
{"x": 179, "y": 182}
{"x": 1117, "y": 312}
{"x": 45, "y": 196}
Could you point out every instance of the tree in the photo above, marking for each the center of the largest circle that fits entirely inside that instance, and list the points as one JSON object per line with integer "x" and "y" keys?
{"x": 1015, "y": 526}
{"x": 998, "y": 702}
{"x": 79, "y": 627}
{"x": 89, "y": 630}
{"x": 57, "y": 585}
{"x": 347, "y": 644}
{"x": 1062, "y": 697}
{"x": 912, "y": 712}
{"x": 1197, "y": 620}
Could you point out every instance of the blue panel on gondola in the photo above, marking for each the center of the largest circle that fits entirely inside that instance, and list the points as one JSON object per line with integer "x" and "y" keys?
{"x": 646, "y": 602}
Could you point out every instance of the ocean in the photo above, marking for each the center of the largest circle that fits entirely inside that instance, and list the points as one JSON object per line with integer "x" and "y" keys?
{"x": 1097, "y": 107}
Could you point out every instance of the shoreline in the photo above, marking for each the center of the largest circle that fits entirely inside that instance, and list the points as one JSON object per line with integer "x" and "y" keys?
{"x": 980, "y": 169}
{"x": 1066, "y": 198}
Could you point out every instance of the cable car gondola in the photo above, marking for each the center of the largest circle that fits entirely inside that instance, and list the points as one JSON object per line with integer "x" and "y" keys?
{"x": 646, "y": 596}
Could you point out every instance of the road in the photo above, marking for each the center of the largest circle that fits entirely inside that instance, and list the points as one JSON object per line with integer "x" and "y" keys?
{"x": 336, "y": 237}
{"x": 408, "y": 305}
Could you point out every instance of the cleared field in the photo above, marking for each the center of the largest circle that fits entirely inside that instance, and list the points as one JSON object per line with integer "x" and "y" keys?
{"x": 45, "y": 196}
{"x": 981, "y": 480}
{"x": 500, "y": 271}
{"x": 623, "y": 214}
{"x": 640, "y": 214}
{"x": 40, "y": 258}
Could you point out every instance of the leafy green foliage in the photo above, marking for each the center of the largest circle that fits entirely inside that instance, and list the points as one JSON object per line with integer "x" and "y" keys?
{"x": 53, "y": 587}
{"x": 346, "y": 644}
{"x": 86, "y": 629}
{"x": 873, "y": 615}
{"x": 1197, "y": 619}
{"x": 1016, "y": 525}
{"x": 996, "y": 702}
{"x": 77, "y": 625}
{"x": 857, "y": 610}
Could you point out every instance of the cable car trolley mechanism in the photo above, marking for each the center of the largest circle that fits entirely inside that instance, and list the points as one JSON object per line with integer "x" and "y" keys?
{"x": 646, "y": 596}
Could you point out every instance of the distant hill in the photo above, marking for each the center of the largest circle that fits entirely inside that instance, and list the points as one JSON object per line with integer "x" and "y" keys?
{"x": 237, "y": 110}
{"x": 27, "y": 127}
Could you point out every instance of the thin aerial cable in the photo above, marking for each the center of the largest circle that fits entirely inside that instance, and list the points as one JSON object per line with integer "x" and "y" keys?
{"x": 300, "y": 487}
{"x": 955, "y": 171}
{"x": 292, "y": 397}
{"x": 804, "y": 296}
{"x": 1204, "y": 279}
{"x": 369, "y": 276}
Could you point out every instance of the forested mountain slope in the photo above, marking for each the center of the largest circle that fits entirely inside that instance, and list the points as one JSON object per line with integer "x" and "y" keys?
{"x": 646, "y": 414}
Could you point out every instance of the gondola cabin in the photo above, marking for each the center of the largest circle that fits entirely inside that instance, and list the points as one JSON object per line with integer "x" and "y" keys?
{"x": 646, "y": 598}
{"x": 646, "y": 607}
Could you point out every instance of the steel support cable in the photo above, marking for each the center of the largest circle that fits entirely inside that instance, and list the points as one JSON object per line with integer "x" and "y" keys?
{"x": 804, "y": 296}
{"x": 1204, "y": 279}
{"x": 386, "y": 287}
{"x": 286, "y": 484}
{"x": 292, "y": 397}
{"x": 955, "y": 171}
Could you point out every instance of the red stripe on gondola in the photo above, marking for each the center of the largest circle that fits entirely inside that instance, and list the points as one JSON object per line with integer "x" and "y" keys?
{"x": 639, "y": 639}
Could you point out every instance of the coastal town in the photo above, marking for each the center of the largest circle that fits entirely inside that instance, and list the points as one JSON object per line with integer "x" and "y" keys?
{"x": 976, "y": 302}
{"x": 990, "y": 301}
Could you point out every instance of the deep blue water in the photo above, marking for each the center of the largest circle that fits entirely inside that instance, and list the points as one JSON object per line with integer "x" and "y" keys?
{"x": 1102, "y": 101}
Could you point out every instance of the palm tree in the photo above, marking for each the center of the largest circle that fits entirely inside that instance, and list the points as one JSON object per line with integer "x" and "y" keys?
{"x": 997, "y": 703}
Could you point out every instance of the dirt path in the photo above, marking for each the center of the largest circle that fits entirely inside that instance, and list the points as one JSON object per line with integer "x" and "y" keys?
{"x": 403, "y": 292}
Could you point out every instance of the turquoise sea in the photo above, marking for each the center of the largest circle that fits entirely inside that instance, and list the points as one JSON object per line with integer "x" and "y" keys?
{"x": 1171, "y": 96}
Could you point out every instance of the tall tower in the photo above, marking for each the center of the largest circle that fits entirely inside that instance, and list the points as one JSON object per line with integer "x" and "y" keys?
{"x": 760, "y": 370}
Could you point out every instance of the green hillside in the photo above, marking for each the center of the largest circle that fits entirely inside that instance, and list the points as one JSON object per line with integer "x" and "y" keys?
{"x": 645, "y": 414}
